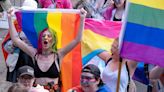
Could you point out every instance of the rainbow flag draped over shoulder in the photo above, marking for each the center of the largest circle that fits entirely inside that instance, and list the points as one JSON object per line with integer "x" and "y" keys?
{"x": 18, "y": 29}
{"x": 143, "y": 38}
{"x": 98, "y": 36}
{"x": 66, "y": 24}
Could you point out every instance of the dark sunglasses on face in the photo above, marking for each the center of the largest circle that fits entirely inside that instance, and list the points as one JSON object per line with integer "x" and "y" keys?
{"x": 87, "y": 80}
{"x": 26, "y": 77}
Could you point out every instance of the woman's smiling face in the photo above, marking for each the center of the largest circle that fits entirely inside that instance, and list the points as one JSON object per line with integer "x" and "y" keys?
{"x": 114, "y": 49}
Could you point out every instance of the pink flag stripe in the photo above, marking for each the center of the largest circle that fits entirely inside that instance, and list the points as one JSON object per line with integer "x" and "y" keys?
{"x": 105, "y": 28}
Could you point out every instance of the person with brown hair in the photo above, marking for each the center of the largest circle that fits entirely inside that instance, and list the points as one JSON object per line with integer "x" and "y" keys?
{"x": 114, "y": 9}
{"x": 120, "y": 9}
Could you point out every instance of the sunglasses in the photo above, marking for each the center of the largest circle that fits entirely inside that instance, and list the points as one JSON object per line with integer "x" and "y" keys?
{"x": 87, "y": 79}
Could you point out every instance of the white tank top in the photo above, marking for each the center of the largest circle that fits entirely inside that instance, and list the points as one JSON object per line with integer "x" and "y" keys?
{"x": 110, "y": 78}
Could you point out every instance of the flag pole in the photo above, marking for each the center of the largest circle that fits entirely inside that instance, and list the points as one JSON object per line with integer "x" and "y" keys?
{"x": 120, "y": 44}
{"x": 119, "y": 75}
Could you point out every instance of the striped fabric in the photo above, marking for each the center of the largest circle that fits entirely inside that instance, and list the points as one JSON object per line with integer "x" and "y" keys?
{"x": 98, "y": 36}
{"x": 66, "y": 25}
{"x": 143, "y": 38}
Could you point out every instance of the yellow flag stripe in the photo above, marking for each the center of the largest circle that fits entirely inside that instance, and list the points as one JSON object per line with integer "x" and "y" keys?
{"x": 92, "y": 41}
{"x": 158, "y": 4}
{"x": 54, "y": 22}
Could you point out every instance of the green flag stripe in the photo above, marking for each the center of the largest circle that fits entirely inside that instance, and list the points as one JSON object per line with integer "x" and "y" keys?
{"x": 146, "y": 16}
{"x": 40, "y": 21}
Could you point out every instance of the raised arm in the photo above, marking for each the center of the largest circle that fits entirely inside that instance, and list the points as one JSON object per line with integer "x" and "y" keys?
{"x": 104, "y": 56}
{"x": 6, "y": 5}
{"x": 17, "y": 41}
{"x": 62, "y": 52}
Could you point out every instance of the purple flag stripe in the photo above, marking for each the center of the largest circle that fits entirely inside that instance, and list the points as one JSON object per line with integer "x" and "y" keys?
{"x": 139, "y": 52}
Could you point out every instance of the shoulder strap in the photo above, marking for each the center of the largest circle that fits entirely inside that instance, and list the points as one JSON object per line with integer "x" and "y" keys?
{"x": 108, "y": 61}
{"x": 58, "y": 67}
{"x": 128, "y": 76}
{"x": 58, "y": 62}
{"x": 146, "y": 70}
{"x": 34, "y": 59}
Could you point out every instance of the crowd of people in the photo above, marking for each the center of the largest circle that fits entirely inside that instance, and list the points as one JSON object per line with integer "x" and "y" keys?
{"x": 38, "y": 70}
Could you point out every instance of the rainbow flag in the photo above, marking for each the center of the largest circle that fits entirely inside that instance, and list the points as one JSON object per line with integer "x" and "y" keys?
{"x": 66, "y": 24}
{"x": 143, "y": 38}
{"x": 97, "y": 37}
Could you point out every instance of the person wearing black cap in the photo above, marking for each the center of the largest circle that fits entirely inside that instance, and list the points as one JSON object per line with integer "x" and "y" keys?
{"x": 26, "y": 76}
{"x": 90, "y": 81}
